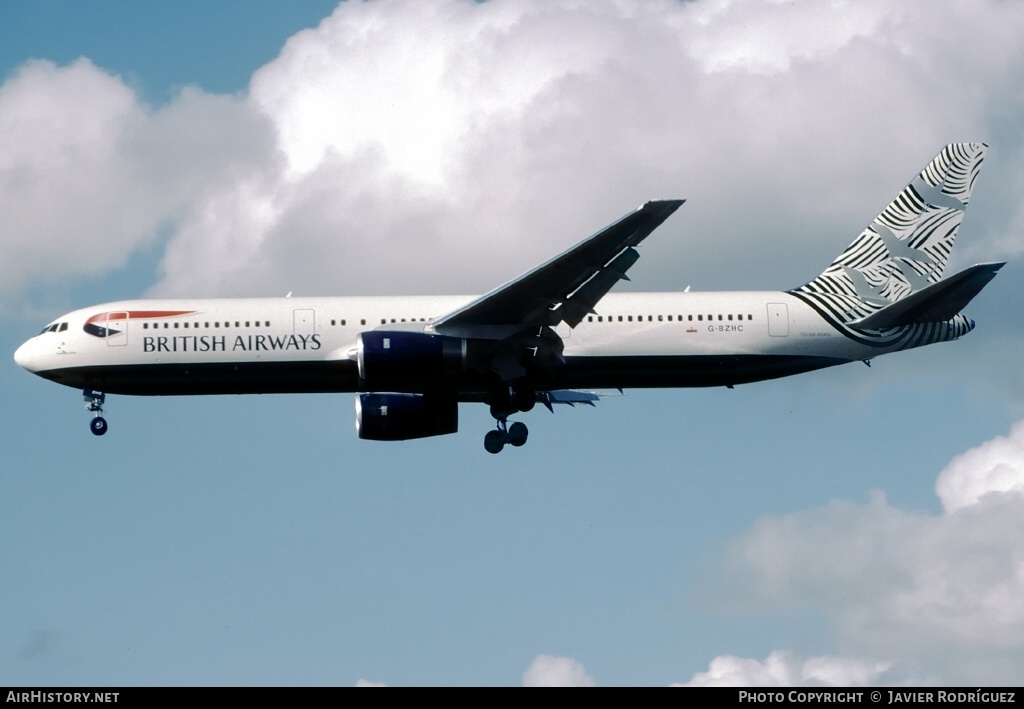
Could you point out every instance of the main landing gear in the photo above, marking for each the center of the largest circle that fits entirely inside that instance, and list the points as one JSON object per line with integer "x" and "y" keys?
{"x": 94, "y": 403}
{"x": 514, "y": 435}
{"x": 505, "y": 401}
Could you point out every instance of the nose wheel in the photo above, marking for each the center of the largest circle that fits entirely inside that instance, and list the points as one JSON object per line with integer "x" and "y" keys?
{"x": 94, "y": 402}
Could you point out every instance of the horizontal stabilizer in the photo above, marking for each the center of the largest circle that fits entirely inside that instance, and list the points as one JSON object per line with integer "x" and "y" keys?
{"x": 935, "y": 303}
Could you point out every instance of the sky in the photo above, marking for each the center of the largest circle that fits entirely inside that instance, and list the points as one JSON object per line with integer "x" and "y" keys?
{"x": 851, "y": 526}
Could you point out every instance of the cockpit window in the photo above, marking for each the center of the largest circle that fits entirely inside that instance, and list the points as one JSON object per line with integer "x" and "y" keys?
{"x": 55, "y": 327}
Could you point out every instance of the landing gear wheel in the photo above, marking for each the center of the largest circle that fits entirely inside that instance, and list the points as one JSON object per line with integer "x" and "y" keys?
{"x": 494, "y": 441}
{"x": 94, "y": 401}
{"x": 517, "y": 434}
{"x": 98, "y": 426}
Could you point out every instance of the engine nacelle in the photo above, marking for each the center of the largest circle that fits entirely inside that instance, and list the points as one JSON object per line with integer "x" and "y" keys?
{"x": 396, "y": 359}
{"x": 399, "y": 417}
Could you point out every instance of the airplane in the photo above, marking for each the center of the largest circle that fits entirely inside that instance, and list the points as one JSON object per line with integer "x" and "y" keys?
{"x": 554, "y": 335}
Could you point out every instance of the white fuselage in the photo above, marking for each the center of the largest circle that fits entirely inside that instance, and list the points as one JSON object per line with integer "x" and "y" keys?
{"x": 261, "y": 345}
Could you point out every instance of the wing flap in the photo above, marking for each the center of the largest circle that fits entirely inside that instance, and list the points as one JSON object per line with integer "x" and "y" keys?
{"x": 573, "y": 397}
{"x": 581, "y": 303}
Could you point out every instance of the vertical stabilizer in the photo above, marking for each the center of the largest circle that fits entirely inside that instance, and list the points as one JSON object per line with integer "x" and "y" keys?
{"x": 906, "y": 247}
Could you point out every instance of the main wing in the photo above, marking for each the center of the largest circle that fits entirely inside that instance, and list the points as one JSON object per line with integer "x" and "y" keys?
{"x": 566, "y": 288}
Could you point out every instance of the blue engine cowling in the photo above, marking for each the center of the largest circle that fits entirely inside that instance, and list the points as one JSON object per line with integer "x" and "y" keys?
{"x": 399, "y": 417}
{"x": 397, "y": 360}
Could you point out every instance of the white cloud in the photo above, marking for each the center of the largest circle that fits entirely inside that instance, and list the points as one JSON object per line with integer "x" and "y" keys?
{"x": 369, "y": 683}
{"x": 767, "y": 37}
{"x": 937, "y": 597}
{"x": 88, "y": 173}
{"x": 783, "y": 669}
{"x": 995, "y": 467}
{"x": 62, "y": 133}
{"x": 553, "y": 671}
{"x": 486, "y": 137}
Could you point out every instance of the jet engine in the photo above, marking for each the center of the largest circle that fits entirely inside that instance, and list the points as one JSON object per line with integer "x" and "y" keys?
{"x": 399, "y": 417}
{"x": 394, "y": 360}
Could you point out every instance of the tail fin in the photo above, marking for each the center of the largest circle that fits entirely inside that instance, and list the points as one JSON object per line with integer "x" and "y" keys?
{"x": 905, "y": 248}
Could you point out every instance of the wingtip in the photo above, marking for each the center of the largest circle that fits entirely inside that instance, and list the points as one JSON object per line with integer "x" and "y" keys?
{"x": 671, "y": 204}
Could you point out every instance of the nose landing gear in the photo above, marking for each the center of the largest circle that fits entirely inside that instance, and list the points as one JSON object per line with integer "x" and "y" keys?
{"x": 94, "y": 403}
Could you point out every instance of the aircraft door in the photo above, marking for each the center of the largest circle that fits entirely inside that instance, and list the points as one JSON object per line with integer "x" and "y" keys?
{"x": 304, "y": 321}
{"x": 117, "y": 329}
{"x": 778, "y": 320}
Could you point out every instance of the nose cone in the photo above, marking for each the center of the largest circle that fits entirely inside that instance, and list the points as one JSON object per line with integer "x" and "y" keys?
{"x": 23, "y": 356}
